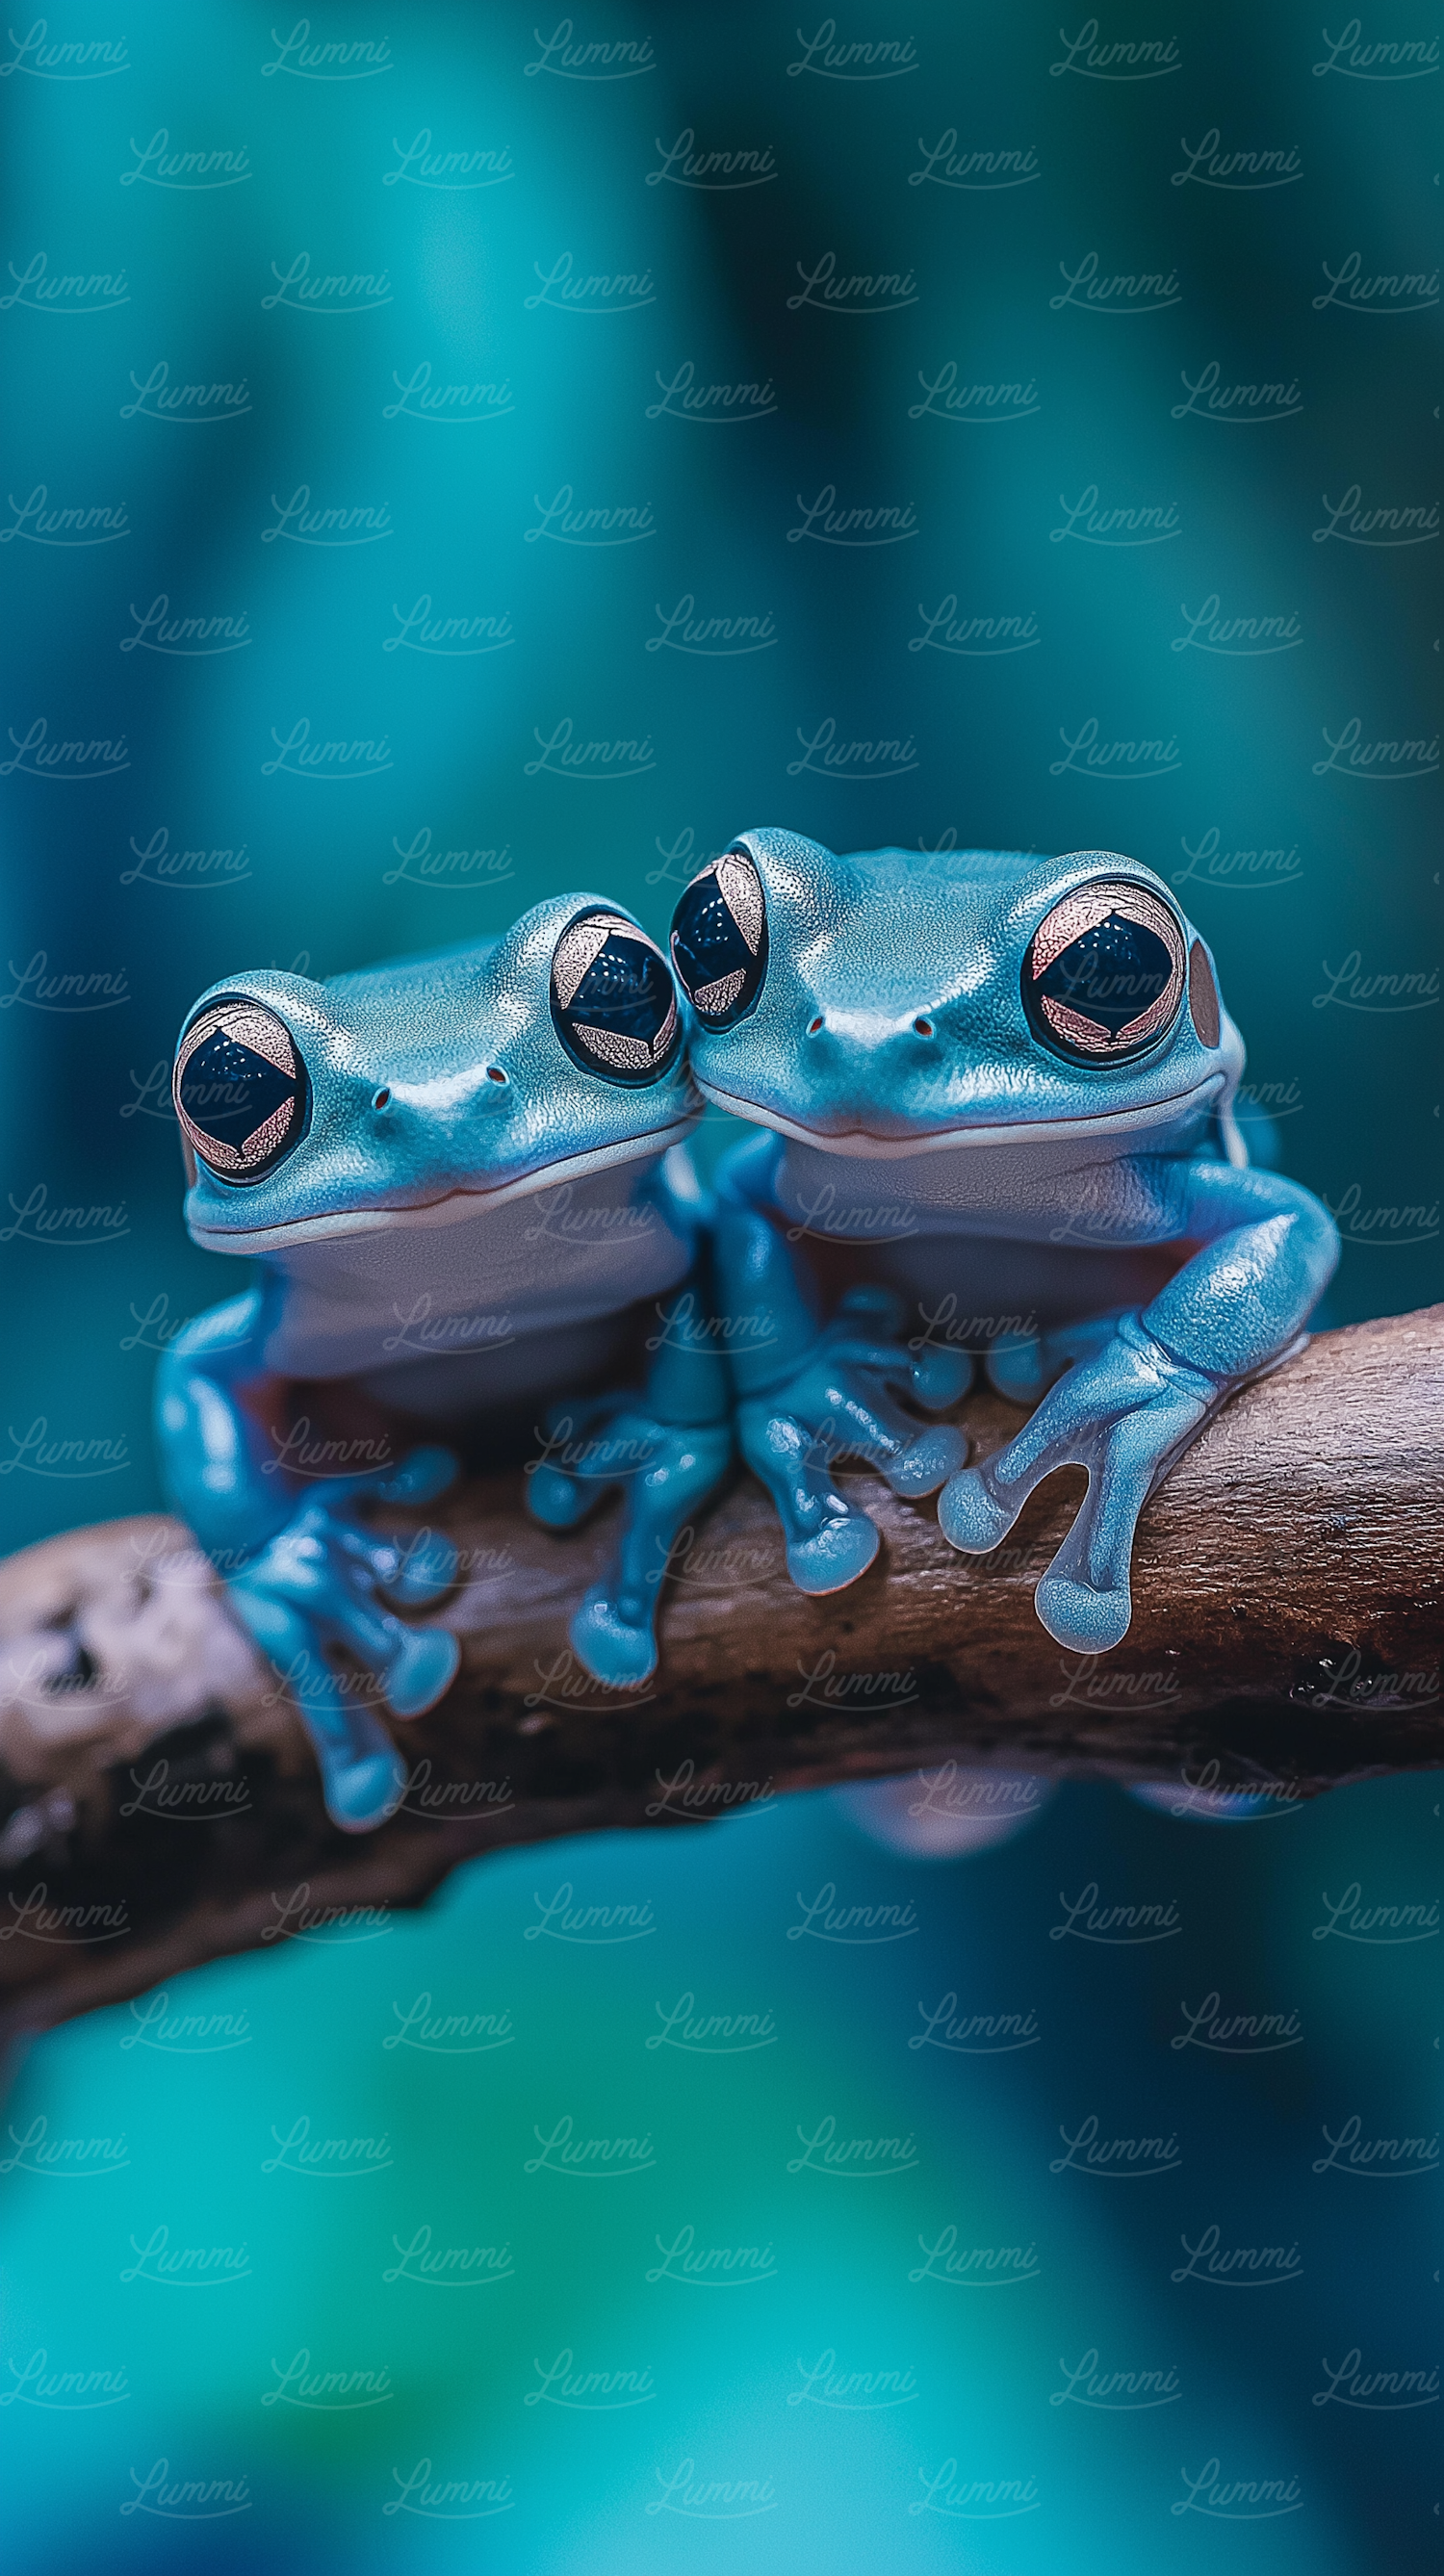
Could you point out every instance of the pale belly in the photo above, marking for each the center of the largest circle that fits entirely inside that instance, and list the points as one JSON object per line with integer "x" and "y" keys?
{"x": 984, "y": 1246}
{"x": 494, "y": 1306}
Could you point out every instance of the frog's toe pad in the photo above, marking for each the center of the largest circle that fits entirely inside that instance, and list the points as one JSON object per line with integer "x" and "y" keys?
{"x": 941, "y": 1378}
{"x": 1085, "y": 1621}
{"x": 968, "y": 1516}
{"x": 428, "y": 1567}
{"x": 1016, "y": 1370}
{"x": 361, "y": 1795}
{"x": 423, "y": 1671}
{"x": 835, "y": 1556}
{"x": 556, "y": 1500}
{"x": 928, "y": 1461}
{"x": 614, "y": 1650}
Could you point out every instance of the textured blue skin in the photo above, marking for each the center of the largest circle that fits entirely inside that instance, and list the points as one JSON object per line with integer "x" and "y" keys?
{"x": 303, "y": 1571}
{"x": 973, "y": 1151}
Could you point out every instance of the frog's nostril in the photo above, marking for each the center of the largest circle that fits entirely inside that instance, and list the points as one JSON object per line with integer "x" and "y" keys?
{"x": 494, "y": 1073}
{"x": 813, "y": 1026}
{"x": 923, "y": 1027}
{"x": 382, "y": 1098}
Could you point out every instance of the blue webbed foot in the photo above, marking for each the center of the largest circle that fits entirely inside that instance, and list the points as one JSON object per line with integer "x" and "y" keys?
{"x": 665, "y": 1472}
{"x": 1125, "y": 1412}
{"x": 317, "y": 1582}
{"x": 840, "y": 1402}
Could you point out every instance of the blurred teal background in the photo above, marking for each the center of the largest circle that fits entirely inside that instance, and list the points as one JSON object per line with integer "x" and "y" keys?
{"x": 911, "y": 501}
{"x": 284, "y": 2276}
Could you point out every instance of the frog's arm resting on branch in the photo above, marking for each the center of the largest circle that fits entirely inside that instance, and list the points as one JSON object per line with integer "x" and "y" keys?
{"x": 159, "y": 1805}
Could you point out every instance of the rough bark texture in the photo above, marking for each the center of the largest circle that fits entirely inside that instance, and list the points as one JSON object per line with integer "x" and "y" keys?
{"x": 163, "y": 1809}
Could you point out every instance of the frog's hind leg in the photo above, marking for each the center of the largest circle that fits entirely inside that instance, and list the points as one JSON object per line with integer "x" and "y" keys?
{"x": 301, "y": 1569}
{"x": 363, "y": 1776}
{"x": 665, "y": 1450}
{"x": 1127, "y": 1410}
{"x": 319, "y": 1582}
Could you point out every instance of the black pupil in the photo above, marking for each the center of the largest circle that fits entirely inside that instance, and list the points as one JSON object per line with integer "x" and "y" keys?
{"x": 228, "y": 1091}
{"x": 1112, "y": 974}
{"x": 707, "y": 944}
{"x": 626, "y": 988}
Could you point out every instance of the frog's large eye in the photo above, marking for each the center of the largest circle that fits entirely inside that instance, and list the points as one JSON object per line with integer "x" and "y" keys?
{"x": 614, "y": 1006}
{"x": 719, "y": 941}
{"x": 1103, "y": 976}
{"x": 240, "y": 1088}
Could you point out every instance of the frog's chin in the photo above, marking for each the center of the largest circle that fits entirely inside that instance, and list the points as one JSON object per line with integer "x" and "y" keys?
{"x": 450, "y": 1207}
{"x": 864, "y": 1144}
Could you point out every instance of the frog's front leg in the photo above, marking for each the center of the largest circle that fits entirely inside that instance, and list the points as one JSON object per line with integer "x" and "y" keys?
{"x": 300, "y": 1569}
{"x": 811, "y": 1393}
{"x": 1128, "y": 1410}
{"x": 666, "y": 1450}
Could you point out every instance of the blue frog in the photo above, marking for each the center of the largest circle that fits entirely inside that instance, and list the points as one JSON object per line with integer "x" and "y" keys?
{"x": 996, "y": 1094}
{"x": 465, "y": 1179}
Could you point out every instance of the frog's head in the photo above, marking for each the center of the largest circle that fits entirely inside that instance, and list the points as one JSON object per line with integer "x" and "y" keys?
{"x": 893, "y": 1002}
{"x": 419, "y": 1092}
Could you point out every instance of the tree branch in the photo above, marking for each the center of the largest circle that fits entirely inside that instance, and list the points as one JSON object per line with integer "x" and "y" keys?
{"x": 162, "y": 1801}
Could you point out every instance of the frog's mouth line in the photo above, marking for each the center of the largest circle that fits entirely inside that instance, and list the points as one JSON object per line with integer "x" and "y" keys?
{"x": 864, "y": 1145}
{"x": 452, "y": 1208}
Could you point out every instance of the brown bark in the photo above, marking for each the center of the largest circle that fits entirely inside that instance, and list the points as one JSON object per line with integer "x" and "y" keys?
{"x": 1286, "y": 1629}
